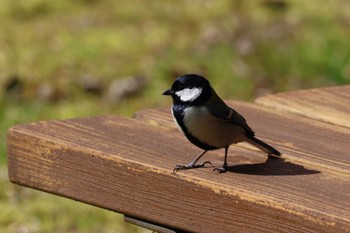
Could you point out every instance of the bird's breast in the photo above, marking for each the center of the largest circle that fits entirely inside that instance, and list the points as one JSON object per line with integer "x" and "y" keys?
{"x": 210, "y": 130}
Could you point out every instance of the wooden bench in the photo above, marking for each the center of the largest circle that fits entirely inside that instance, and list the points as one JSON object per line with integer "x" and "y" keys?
{"x": 125, "y": 165}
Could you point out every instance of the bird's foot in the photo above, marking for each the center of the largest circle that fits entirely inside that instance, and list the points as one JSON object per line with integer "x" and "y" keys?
{"x": 190, "y": 166}
{"x": 222, "y": 169}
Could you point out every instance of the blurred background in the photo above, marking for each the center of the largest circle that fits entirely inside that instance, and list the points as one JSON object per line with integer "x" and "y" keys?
{"x": 64, "y": 59}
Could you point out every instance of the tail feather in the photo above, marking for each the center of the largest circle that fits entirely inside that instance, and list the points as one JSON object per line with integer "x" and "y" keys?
{"x": 263, "y": 146}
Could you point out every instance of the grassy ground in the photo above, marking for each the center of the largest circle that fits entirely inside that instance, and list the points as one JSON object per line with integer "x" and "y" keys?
{"x": 60, "y": 59}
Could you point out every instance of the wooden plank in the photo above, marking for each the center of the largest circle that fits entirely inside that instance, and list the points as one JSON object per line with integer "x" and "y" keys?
{"x": 302, "y": 140}
{"x": 126, "y": 166}
{"x": 330, "y": 104}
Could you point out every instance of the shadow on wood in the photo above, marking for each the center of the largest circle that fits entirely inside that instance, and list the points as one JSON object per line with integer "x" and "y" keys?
{"x": 272, "y": 167}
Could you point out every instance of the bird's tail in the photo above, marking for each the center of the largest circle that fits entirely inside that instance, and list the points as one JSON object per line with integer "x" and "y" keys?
{"x": 263, "y": 146}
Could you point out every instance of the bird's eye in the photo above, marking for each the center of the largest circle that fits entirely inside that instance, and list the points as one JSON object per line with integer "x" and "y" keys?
{"x": 178, "y": 86}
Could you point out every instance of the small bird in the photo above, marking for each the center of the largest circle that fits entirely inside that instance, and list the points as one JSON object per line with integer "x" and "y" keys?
{"x": 207, "y": 121}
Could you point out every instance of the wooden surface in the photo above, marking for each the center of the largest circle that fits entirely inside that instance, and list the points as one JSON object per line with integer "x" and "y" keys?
{"x": 125, "y": 165}
{"x": 327, "y": 104}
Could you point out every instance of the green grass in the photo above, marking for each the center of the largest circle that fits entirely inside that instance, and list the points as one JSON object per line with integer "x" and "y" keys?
{"x": 246, "y": 48}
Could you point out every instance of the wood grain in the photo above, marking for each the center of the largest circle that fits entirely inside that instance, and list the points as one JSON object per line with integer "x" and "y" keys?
{"x": 306, "y": 141}
{"x": 125, "y": 165}
{"x": 330, "y": 104}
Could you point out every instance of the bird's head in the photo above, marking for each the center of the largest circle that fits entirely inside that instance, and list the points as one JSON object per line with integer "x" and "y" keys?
{"x": 190, "y": 89}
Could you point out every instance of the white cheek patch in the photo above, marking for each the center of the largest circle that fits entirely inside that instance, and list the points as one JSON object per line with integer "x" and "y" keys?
{"x": 189, "y": 95}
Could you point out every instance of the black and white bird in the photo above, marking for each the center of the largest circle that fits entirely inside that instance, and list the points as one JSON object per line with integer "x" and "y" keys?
{"x": 207, "y": 121}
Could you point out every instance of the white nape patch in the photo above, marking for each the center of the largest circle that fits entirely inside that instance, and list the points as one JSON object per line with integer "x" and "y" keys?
{"x": 189, "y": 95}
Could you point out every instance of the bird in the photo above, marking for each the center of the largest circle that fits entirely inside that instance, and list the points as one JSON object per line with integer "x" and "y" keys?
{"x": 207, "y": 121}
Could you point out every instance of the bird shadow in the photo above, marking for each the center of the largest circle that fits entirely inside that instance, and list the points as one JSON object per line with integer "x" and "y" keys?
{"x": 273, "y": 166}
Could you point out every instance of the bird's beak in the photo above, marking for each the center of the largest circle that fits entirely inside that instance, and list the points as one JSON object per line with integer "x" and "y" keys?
{"x": 168, "y": 92}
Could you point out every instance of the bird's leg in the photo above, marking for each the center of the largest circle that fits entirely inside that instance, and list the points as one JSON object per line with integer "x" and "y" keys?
{"x": 192, "y": 164}
{"x": 224, "y": 166}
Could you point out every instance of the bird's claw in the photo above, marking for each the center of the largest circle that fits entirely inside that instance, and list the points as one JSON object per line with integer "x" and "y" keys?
{"x": 222, "y": 169}
{"x": 206, "y": 162}
{"x": 190, "y": 166}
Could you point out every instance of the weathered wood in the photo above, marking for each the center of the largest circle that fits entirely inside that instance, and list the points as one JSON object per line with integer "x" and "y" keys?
{"x": 325, "y": 104}
{"x": 125, "y": 165}
{"x": 306, "y": 141}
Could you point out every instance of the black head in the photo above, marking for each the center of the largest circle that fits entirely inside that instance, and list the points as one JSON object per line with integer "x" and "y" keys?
{"x": 190, "y": 89}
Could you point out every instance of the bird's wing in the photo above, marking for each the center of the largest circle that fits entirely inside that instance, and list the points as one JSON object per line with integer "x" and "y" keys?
{"x": 220, "y": 110}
